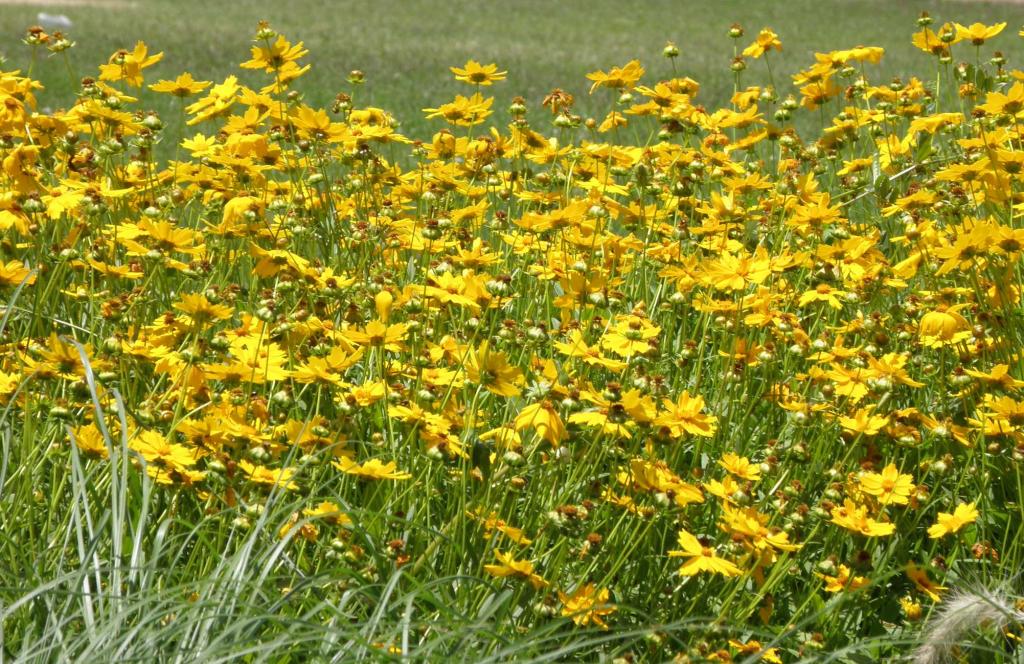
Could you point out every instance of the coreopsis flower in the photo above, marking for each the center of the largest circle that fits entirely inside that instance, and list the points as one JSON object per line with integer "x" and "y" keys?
{"x": 657, "y": 477}
{"x": 946, "y": 524}
{"x": 14, "y": 273}
{"x": 978, "y": 33}
{"x": 747, "y": 525}
{"x": 378, "y": 334}
{"x": 823, "y": 293}
{"x": 724, "y": 490}
{"x": 127, "y": 66}
{"x": 863, "y": 422}
{"x": 183, "y": 86}
{"x": 166, "y": 462}
{"x": 938, "y": 329}
{"x": 491, "y": 370}
{"x": 587, "y": 604}
{"x": 508, "y": 566}
{"x": 329, "y": 369}
{"x": 494, "y": 526}
{"x": 374, "y": 469}
{"x": 890, "y": 487}
{"x": 1010, "y": 102}
{"x": 200, "y": 310}
{"x": 328, "y": 511}
{"x": 936, "y": 43}
{"x": 60, "y": 359}
{"x": 89, "y": 439}
{"x": 218, "y": 101}
{"x": 766, "y": 41}
{"x": 577, "y": 347}
{"x": 923, "y": 582}
{"x": 274, "y": 477}
{"x": 463, "y": 111}
{"x": 729, "y": 272}
{"x": 617, "y": 78}
{"x": 366, "y": 394}
{"x": 855, "y": 518}
{"x": 740, "y": 466}
{"x": 700, "y": 558}
{"x": 843, "y": 581}
{"x": 272, "y": 57}
{"x": 911, "y": 608}
{"x": 998, "y": 376}
{"x": 544, "y": 419}
{"x": 683, "y": 416}
{"x": 251, "y": 362}
{"x": 383, "y": 302}
{"x": 755, "y": 648}
{"x": 630, "y": 336}
{"x": 475, "y": 73}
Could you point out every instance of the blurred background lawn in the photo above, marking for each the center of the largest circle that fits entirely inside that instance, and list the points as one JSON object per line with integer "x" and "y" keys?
{"x": 406, "y": 46}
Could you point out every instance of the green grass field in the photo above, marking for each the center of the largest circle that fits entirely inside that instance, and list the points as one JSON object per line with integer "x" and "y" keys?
{"x": 405, "y": 47}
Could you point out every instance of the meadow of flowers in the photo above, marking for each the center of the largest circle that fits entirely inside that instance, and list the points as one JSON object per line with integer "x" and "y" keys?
{"x": 669, "y": 383}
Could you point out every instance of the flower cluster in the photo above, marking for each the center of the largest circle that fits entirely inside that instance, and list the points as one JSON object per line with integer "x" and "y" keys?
{"x": 725, "y": 370}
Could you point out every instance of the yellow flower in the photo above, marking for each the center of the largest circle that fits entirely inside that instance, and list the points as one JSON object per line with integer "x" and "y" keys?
{"x": 509, "y": 566}
{"x": 684, "y": 416}
{"x": 382, "y": 302}
{"x": 921, "y": 579}
{"x": 201, "y": 310}
{"x": 855, "y": 518}
{"x": 166, "y": 462}
{"x": 740, "y": 466}
{"x": 863, "y": 422}
{"x": 127, "y": 66}
{"x": 749, "y": 526}
{"x": 492, "y": 370}
{"x": 477, "y": 74}
{"x": 617, "y": 78}
{"x": 543, "y": 418}
{"x": 889, "y": 487}
{"x": 657, "y": 477}
{"x": 330, "y": 512}
{"x": 273, "y": 57}
{"x": 946, "y": 524}
{"x": 464, "y": 111}
{"x": 373, "y": 469}
{"x": 578, "y": 347}
{"x": 367, "y": 394}
{"x": 700, "y": 558}
{"x": 378, "y": 333}
{"x": 263, "y": 475}
{"x": 943, "y": 328}
{"x": 931, "y": 42}
{"x": 14, "y": 273}
{"x": 844, "y": 580}
{"x": 911, "y": 608}
{"x": 766, "y": 41}
{"x": 771, "y": 655}
{"x": 632, "y": 335}
{"x": 183, "y": 86}
{"x": 90, "y": 440}
{"x": 587, "y": 605}
{"x": 978, "y": 33}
